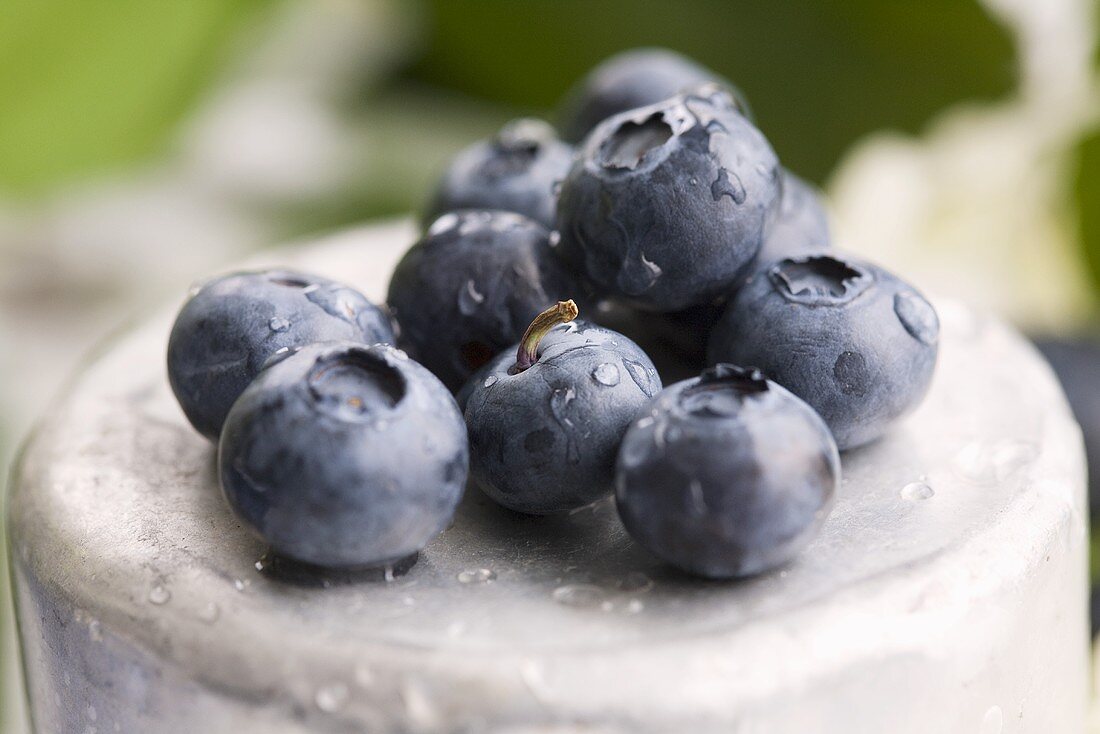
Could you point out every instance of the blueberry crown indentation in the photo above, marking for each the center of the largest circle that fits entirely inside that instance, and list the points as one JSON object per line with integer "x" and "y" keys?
{"x": 355, "y": 383}
{"x": 819, "y": 279}
{"x": 721, "y": 390}
{"x": 631, "y": 141}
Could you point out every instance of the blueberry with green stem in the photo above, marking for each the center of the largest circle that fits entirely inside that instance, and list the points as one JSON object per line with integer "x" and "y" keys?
{"x": 545, "y": 418}
{"x": 470, "y": 286}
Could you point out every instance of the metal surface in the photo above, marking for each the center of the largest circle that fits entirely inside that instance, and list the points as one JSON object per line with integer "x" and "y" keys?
{"x": 946, "y": 592}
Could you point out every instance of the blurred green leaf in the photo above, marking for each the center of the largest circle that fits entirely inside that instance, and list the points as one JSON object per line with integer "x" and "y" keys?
{"x": 86, "y": 85}
{"x": 819, "y": 74}
{"x": 1086, "y": 192}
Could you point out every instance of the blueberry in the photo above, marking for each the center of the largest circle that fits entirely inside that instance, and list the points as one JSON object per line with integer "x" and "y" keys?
{"x": 344, "y": 455}
{"x": 517, "y": 171}
{"x": 469, "y": 288}
{"x": 630, "y": 80}
{"x": 545, "y": 424}
{"x": 666, "y": 205}
{"x": 229, "y": 327}
{"x": 801, "y": 225}
{"x": 726, "y": 475}
{"x": 854, "y": 341}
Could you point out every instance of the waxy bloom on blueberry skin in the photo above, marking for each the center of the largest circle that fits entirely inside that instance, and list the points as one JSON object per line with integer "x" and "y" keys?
{"x": 343, "y": 455}
{"x": 546, "y": 417}
{"x": 232, "y": 324}
{"x": 665, "y": 206}
{"x": 851, "y": 339}
{"x": 519, "y": 170}
{"x": 726, "y": 475}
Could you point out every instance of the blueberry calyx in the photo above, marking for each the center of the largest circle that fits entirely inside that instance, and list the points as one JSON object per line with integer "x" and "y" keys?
{"x": 628, "y": 146}
{"x": 561, "y": 312}
{"x": 353, "y": 385}
{"x": 721, "y": 390}
{"x": 819, "y": 280}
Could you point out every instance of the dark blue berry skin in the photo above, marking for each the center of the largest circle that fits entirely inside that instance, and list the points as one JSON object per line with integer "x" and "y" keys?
{"x": 343, "y": 455}
{"x": 544, "y": 440}
{"x": 519, "y": 170}
{"x": 726, "y": 475}
{"x": 665, "y": 206}
{"x": 227, "y": 330}
{"x": 471, "y": 286}
{"x": 854, "y": 341}
{"x": 630, "y": 80}
{"x": 800, "y": 227}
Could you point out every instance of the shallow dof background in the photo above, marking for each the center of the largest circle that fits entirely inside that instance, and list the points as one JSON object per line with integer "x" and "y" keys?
{"x": 143, "y": 145}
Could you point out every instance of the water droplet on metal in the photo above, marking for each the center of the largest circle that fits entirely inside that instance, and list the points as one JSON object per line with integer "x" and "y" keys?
{"x": 364, "y": 676}
{"x": 993, "y": 722}
{"x": 332, "y": 697}
{"x": 159, "y": 594}
{"x": 606, "y": 374}
{"x": 578, "y": 595}
{"x": 210, "y": 613}
{"x": 974, "y": 463}
{"x": 477, "y": 576}
{"x": 917, "y": 491}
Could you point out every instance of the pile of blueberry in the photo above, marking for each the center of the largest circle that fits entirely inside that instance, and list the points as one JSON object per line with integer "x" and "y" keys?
{"x": 663, "y": 210}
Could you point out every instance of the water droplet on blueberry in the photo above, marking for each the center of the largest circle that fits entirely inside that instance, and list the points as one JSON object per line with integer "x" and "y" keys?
{"x": 606, "y": 374}
{"x": 851, "y": 374}
{"x": 469, "y": 298}
{"x": 278, "y": 324}
{"x": 917, "y": 316}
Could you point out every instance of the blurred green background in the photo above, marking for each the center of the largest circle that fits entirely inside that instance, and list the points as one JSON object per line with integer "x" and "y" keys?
{"x": 142, "y": 144}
